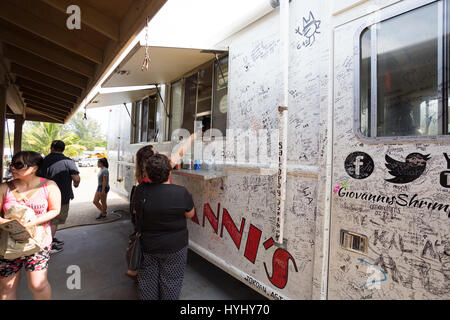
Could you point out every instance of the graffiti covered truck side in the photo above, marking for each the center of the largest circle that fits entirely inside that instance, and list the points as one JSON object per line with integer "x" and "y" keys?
{"x": 363, "y": 208}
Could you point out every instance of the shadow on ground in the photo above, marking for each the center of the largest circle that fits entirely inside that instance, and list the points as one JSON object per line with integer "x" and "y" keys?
{"x": 84, "y": 213}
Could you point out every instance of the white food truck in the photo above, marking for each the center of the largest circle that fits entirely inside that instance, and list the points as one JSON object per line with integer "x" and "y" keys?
{"x": 324, "y": 146}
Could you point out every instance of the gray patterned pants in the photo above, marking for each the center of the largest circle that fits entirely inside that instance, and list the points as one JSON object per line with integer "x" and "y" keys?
{"x": 161, "y": 275}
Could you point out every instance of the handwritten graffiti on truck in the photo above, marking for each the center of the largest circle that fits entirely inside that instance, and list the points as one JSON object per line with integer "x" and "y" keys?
{"x": 309, "y": 31}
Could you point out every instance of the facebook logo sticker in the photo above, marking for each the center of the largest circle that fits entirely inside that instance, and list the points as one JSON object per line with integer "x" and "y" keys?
{"x": 359, "y": 165}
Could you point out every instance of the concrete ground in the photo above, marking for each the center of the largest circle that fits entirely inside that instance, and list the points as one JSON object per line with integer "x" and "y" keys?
{"x": 96, "y": 253}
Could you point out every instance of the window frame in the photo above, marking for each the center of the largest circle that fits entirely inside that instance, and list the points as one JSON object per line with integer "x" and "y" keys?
{"x": 182, "y": 79}
{"x": 137, "y": 121}
{"x": 216, "y": 75}
{"x": 152, "y": 103}
{"x": 182, "y": 82}
{"x": 144, "y": 119}
{"x": 137, "y": 131}
{"x": 133, "y": 122}
{"x": 383, "y": 15}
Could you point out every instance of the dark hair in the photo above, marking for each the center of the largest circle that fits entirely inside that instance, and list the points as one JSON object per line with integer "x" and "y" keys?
{"x": 30, "y": 158}
{"x": 58, "y": 145}
{"x": 104, "y": 162}
{"x": 143, "y": 154}
{"x": 158, "y": 168}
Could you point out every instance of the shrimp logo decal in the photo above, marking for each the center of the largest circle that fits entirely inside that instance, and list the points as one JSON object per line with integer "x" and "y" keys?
{"x": 310, "y": 29}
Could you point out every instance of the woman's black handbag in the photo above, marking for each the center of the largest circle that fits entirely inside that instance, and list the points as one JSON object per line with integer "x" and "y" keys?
{"x": 134, "y": 250}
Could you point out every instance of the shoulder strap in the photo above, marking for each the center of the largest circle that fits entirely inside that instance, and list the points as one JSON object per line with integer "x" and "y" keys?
{"x": 2, "y": 213}
{"x": 28, "y": 196}
{"x": 11, "y": 185}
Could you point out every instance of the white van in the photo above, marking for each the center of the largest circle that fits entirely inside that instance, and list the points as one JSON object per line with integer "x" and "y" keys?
{"x": 364, "y": 209}
{"x": 88, "y": 162}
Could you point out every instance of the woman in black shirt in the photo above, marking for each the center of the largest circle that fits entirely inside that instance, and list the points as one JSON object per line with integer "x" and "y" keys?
{"x": 162, "y": 210}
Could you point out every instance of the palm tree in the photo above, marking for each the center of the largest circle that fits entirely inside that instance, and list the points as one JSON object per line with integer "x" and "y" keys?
{"x": 38, "y": 136}
{"x": 88, "y": 130}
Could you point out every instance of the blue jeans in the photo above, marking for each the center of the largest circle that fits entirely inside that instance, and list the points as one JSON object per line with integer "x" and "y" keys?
{"x": 99, "y": 189}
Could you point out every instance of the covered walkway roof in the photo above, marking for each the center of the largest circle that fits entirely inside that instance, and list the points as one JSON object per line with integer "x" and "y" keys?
{"x": 48, "y": 70}
{"x": 55, "y": 53}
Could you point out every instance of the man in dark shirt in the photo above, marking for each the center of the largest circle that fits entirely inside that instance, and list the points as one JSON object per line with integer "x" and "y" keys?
{"x": 63, "y": 171}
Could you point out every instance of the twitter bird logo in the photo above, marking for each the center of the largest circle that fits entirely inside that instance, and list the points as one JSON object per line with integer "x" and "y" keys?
{"x": 407, "y": 171}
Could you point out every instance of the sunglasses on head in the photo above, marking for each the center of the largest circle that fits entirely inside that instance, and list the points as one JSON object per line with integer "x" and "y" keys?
{"x": 18, "y": 165}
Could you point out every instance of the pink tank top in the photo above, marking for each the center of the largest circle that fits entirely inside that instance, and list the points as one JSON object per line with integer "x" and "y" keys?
{"x": 38, "y": 202}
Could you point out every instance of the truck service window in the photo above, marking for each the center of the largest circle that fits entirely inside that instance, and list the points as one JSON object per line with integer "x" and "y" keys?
{"x": 204, "y": 88}
{"x": 152, "y": 124}
{"x": 137, "y": 120}
{"x": 402, "y": 79}
{"x": 190, "y": 101}
{"x": 219, "y": 113}
{"x": 201, "y": 97}
{"x": 176, "y": 106}
{"x": 144, "y": 120}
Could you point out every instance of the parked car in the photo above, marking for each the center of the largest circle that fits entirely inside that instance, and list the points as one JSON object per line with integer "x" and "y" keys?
{"x": 88, "y": 162}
